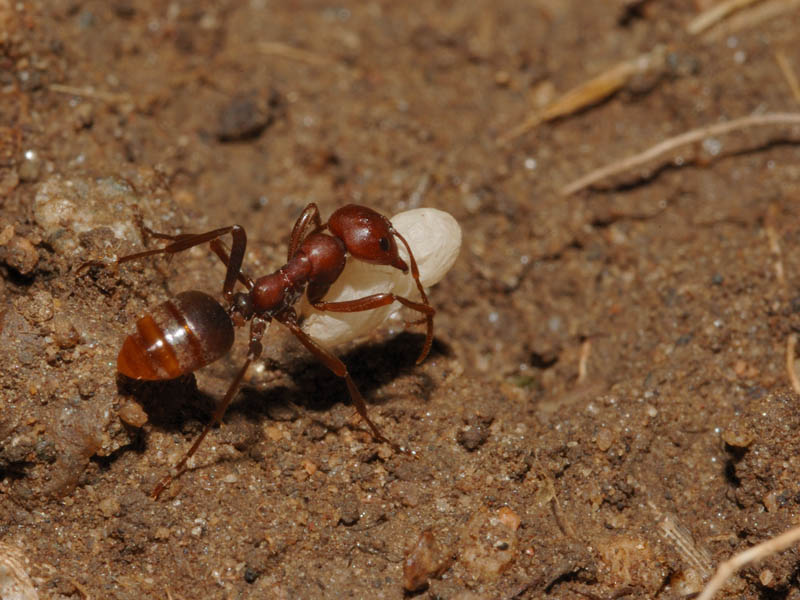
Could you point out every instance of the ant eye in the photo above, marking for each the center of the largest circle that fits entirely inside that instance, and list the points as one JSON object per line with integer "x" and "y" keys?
{"x": 384, "y": 244}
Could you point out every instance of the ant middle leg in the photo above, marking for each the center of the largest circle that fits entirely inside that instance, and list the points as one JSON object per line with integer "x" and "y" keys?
{"x": 340, "y": 370}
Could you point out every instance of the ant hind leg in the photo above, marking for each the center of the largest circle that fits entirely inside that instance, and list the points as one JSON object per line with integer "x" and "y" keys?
{"x": 340, "y": 370}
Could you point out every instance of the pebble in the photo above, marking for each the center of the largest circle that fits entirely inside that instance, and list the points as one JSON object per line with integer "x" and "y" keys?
{"x": 244, "y": 117}
{"x": 30, "y": 167}
{"x": 131, "y": 413}
{"x": 15, "y": 583}
{"x": 109, "y": 507}
{"x": 605, "y": 438}
{"x": 64, "y": 332}
{"x": 425, "y": 560}
{"x": 350, "y": 510}
{"x": 475, "y": 433}
{"x": 17, "y": 251}
{"x": 65, "y": 208}
{"x": 489, "y": 543}
{"x": 37, "y": 307}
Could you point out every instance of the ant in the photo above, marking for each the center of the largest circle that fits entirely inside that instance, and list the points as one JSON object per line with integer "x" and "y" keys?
{"x": 192, "y": 329}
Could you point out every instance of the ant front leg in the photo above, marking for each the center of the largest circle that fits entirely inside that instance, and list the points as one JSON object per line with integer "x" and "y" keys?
{"x": 310, "y": 214}
{"x": 379, "y": 300}
{"x": 340, "y": 370}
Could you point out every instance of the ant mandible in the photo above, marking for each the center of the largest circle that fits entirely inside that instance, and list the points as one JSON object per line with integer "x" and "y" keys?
{"x": 193, "y": 330}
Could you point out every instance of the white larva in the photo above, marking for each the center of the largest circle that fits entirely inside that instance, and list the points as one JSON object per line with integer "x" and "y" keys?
{"x": 435, "y": 239}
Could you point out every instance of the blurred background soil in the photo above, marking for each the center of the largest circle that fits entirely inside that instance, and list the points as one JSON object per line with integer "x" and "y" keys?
{"x": 607, "y": 411}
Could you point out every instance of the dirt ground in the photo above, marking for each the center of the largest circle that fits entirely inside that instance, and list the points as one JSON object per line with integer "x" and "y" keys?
{"x": 607, "y": 411}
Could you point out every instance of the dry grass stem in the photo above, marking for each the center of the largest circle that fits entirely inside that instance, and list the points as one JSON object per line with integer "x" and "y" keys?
{"x": 583, "y": 361}
{"x": 670, "y": 144}
{"x": 291, "y": 53}
{"x": 84, "y": 593}
{"x": 715, "y": 14}
{"x": 757, "y": 552}
{"x": 791, "y": 345}
{"x": 788, "y": 72}
{"x": 774, "y": 243}
{"x": 750, "y": 17}
{"x": 88, "y": 92}
{"x": 589, "y": 92}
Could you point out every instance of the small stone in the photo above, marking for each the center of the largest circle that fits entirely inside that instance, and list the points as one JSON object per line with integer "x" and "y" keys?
{"x": 46, "y": 451}
{"x": 109, "y": 507}
{"x": 605, "y": 438}
{"x": 64, "y": 332}
{"x": 509, "y": 518}
{"x": 408, "y": 493}
{"x": 131, "y": 413}
{"x": 37, "y": 307}
{"x": 84, "y": 116}
{"x": 250, "y": 575}
{"x": 30, "y": 167}
{"x": 15, "y": 583}
{"x": 425, "y": 560}
{"x": 475, "y": 433}
{"x": 502, "y": 78}
{"x": 488, "y": 544}
{"x": 19, "y": 254}
{"x": 350, "y": 510}
{"x": 243, "y": 117}
{"x": 770, "y": 501}
{"x": 737, "y": 438}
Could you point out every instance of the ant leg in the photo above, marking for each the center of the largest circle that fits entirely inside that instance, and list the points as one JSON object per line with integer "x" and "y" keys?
{"x": 218, "y": 248}
{"x": 184, "y": 241}
{"x": 257, "y": 329}
{"x": 378, "y": 300}
{"x": 340, "y": 370}
{"x": 310, "y": 214}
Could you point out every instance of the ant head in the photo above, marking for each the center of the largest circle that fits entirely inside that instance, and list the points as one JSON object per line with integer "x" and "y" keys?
{"x": 368, "y": 235}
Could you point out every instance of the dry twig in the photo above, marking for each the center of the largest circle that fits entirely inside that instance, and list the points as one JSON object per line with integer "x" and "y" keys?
{"x": 88, "y": 92}
{"x": 774, "y": 243}
{"x": 583, "y": 361}
{"x": 716, "y": 13}
{"x": 788, "y": 72}
{"x": 750, "y": 17}
{"x": 589, "y": 92}
{"x": 791, "y": 344}
{"x": 81, "y": 589}
{"x": 282, "y": 50}
{"x": 757, "y": 552}
{"x": 670, "y": 144}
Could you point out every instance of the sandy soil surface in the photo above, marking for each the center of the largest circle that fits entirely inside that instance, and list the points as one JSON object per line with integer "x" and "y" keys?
{"x": 607, "y": 410}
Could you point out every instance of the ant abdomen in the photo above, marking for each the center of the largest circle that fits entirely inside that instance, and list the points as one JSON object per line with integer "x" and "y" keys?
{"x": 177, "y": 337}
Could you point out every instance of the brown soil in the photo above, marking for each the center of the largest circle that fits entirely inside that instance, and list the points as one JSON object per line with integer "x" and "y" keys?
{"x": 676, "y": 288}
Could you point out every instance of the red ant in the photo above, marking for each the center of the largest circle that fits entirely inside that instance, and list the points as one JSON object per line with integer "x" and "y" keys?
{"x": 193, "y": 330}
